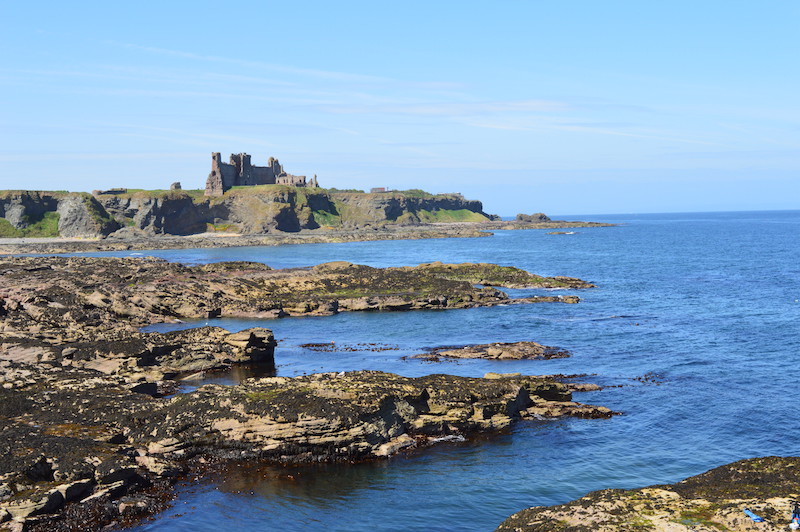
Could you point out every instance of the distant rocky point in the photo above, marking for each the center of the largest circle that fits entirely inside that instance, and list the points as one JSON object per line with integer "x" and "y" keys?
{"x": 250, "y": 210}
{"x": 536, "y": 217}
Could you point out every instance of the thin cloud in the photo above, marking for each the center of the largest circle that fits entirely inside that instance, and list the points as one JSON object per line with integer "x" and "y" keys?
{"x": 603, "y": 131}
{"x": 325, "y": 74}
{"x": 555, "y": 123}
{"x": 137, "y": 131}
{"x": 92, "y": 156}
{"x": 453, "y": 109}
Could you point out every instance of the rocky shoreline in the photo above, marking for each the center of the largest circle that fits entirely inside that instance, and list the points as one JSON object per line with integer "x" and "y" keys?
{"x": 709, "y": 502}
{"x": 93, "y": 430}
{"x": 134, "y": 242}
{"x": 76, "y": 438}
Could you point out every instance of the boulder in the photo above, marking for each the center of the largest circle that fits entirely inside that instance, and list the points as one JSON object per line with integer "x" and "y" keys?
{"x": 536, "y": 217}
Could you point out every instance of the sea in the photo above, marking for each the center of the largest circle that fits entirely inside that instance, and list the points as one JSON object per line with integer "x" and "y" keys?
{"x": 692, "y": 331}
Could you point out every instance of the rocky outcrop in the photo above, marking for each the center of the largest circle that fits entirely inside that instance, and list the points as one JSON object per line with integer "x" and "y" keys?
{"x": 712, "y": 501}
{"x": 76, "y": 214}
{"x": 91, "y": 429}
{"x": 21, "y": 207}
{"x": 286, "y": 209}
{"x": 73, "y": 439}
{"x": 347, "y": 416}
{"x": 81, "y": 215}
{"x": 497, "y": 351}
{"x": 169, "y": 213}
{"x": 62, "y": 300}
{"x": 85, "y": 313}
{"x": 150, "y": 360}
{"x": 359, "y": 210}
{"x": 260, "y": 210}
{"x": 253, "y": 210}
{"x": 536, "y": 217}
{"x": 496, "y": 275}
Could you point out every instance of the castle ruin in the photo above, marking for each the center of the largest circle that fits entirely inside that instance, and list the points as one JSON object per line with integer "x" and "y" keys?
{"x": 241, "y": 172}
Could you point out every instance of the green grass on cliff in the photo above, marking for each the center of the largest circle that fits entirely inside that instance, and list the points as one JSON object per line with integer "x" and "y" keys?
{"x": 334, "y": 190}
{"x": 325, "y": 218}
{"x": 47, "y": 226}
{"x": 196, "y": 195}
{"x": 413, "y": 193}
{"x": 5, "y": 194}
{"x": 256, "y": 189}
{"x": 222, "y": 228}
{"x": 96, "y": 211}
{"x": 460, "y": 215}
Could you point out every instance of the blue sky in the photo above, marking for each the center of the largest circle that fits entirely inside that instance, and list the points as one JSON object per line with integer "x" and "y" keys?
{"x": 561, "y": 107}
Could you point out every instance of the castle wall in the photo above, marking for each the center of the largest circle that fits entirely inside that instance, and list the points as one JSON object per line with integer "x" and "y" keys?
{"x": 293, "y": 180}
{"x": 263, "y": 175}
{"x": 228, "y": 173}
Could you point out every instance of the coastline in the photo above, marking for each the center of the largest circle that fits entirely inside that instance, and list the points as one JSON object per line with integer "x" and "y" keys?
{"x": 101, "y": 432}
{"x": 13, "y": 246}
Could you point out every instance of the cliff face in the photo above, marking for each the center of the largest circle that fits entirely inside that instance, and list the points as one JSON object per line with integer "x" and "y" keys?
{"x": 249, "y": 211}
{"x": 357, "y": 210}
{"x": 254, "y": 211}
{"x": 42, "y": 214}
{"x": 173, "y": 213}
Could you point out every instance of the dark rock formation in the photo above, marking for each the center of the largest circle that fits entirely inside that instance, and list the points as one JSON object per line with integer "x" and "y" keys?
{"x": 709, "y": 502}
{"x": 169, "y": 213}
{"x": 536, "y": 217}
{"x": 21, "y": 207}
{"x": 81, "y": 215}
{"x": 78, "y": 214}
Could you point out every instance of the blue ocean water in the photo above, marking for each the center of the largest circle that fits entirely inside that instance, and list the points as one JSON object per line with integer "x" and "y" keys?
{"x": 709, "y": 303}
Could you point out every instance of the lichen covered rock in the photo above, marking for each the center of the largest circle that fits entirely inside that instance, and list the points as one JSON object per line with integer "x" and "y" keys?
{"x": 709, "y": 502}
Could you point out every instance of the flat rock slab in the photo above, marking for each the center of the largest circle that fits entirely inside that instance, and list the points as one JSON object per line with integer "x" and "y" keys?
{"x": 498, "y": 351}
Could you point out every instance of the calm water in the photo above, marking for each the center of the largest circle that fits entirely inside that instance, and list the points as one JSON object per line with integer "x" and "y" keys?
{"x": 709, "y": 302}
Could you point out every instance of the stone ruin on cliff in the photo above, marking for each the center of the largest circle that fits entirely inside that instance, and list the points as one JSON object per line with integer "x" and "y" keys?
{"x": 241, "y": 172}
